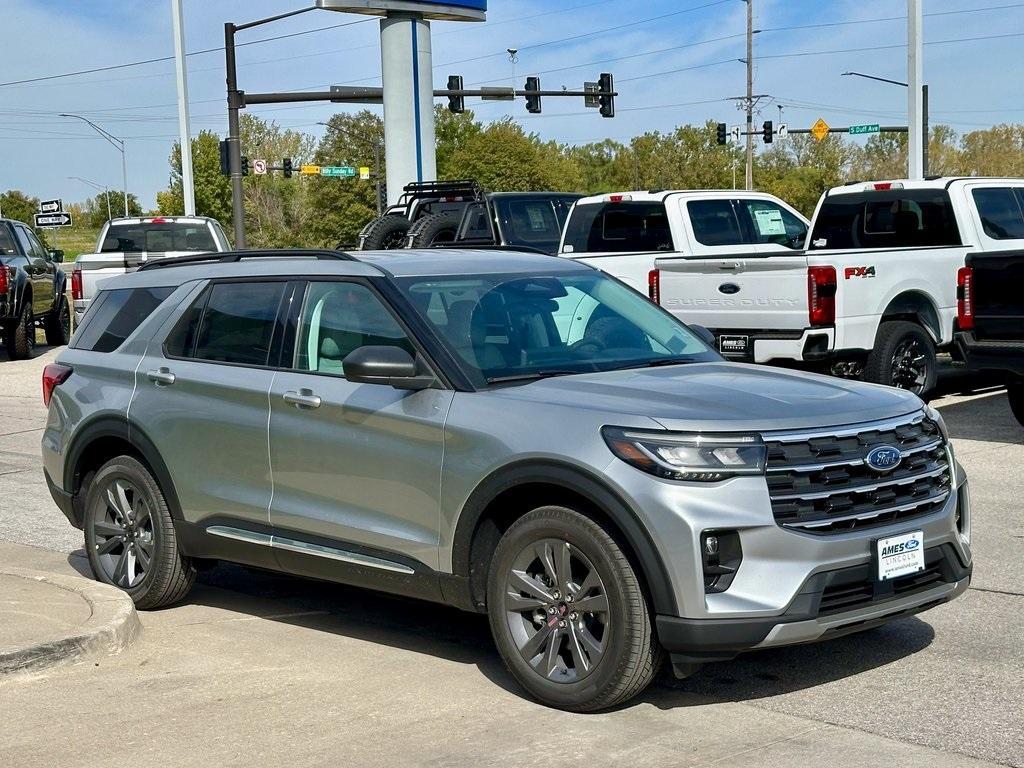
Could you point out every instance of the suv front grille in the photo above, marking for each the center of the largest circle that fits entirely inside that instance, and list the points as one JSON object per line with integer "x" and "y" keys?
{"x": 821, "y": 483}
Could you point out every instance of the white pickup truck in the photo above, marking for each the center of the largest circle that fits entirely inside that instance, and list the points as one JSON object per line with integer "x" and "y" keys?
{"x": 874, "y": 295}
{"x": 125, "y": 244}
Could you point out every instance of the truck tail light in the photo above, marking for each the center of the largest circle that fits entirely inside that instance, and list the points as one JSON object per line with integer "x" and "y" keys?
{"x": 76, "y": 284}
{"x": 821, "y": 295}
{"x": 965, "y": 298}
{"x": 654, "y": 285}
{"x": 3, "y": 279}
{"x": 53, "y": 374}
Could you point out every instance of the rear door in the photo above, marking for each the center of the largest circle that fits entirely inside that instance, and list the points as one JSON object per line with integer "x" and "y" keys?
{"x": 41, "y": 270}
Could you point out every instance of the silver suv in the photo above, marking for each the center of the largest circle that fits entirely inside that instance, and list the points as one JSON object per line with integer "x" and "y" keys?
{"x": 503, "y": 432}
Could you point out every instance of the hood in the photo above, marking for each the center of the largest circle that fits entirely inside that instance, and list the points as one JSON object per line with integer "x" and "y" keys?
{"x": 722, "y": 396}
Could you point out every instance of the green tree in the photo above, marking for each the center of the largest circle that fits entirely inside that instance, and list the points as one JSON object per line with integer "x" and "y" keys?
{"x": 799, "y": 168}
{"x": 212, "y": 189}
{"x": 996, "y": 151}
{"x": 95, "y": 208}
{"x": 15, "y": 204}
{"x": 453, "y": 132}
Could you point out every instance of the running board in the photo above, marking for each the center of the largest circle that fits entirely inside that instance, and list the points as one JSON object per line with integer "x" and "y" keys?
{"x": 305, "y": 548}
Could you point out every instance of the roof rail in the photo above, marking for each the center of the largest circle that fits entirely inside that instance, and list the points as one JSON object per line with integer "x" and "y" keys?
{"x": 464, "y": 245}
{"x": 233, "y": 257}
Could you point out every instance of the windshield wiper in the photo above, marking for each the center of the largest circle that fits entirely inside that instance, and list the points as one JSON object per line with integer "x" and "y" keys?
{"x": 659, "y": 363}
{"x": 530, "y": 376}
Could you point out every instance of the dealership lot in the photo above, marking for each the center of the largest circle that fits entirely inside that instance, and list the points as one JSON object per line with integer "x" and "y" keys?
{"x": 259, "y": 667}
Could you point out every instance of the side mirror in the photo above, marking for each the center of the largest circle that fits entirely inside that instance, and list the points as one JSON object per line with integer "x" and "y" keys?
{"x": 704, "y": 335}
{"x": 392, "y": 366}
{"x": 57, "y": 256}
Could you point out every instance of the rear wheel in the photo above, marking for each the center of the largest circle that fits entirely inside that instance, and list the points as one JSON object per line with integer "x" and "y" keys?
{"x": 1015, "y": 390}
{"x": 435, "y": 229}
{"x": 21, "y": 337}
{"x": 58, "y": 324}
{"x": 387, "y": 233}
{"x": 568, "y": 614}
{"x": 904, "y": 356}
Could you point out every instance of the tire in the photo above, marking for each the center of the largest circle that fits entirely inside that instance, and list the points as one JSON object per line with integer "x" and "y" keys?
{"x": 629, "y": 653}
{"x": 58, "y": 324}
{"x": 437, "y": 228}
{"x": 148, "y": 565}
{"x": 21, "y": 338}
{"x": 1015, "y": 391}
{"x": 387, "y": 233}
{"x": 904, "y": 356}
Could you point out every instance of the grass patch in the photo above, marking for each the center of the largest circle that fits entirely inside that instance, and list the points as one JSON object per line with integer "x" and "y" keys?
{"x": 74, "y": 241}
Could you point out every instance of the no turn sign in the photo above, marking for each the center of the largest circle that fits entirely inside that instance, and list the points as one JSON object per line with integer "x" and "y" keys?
{"x": 259, "y": 167}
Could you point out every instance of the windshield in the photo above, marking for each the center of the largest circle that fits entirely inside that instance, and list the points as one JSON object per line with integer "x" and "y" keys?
{"x": 158, "y": 237}
{"x": 508, "y": 327}
{"x": 618, "y": 228}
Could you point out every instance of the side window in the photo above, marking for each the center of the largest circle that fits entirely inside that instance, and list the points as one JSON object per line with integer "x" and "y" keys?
{"x": 7, "y": 247}
{"x": 26, "y": 245}
{"x": 115, "y": 317}
{"x": 773, "y": 224}
{"x": 339, "y": 318}
{"x": 37, "y": 248}
{"x": 715, "y": 223}
{"x": 1001, "y": 212}
{"x": 238, "y": 323}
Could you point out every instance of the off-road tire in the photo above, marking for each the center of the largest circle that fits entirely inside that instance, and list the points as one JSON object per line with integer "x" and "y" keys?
{"x": 435, "y": 229}
{"x": 892, "y": 335}
{"x": 21, "y": 337}
{"x": 386, "y": 233}
{"x": 58, "y": 324}
{"x": 632, "y": 654}
{"x": 170, "y": 575}
{"x": 1015, "y": 391}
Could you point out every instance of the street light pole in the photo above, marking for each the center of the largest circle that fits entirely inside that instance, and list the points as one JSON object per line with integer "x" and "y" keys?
{"x": 915, "y": 76}
{"x": 187, "y": 183}
{"x": 117, "y": 143}
{"x": 101, "y": 187}
{"x": 925, "y": 121}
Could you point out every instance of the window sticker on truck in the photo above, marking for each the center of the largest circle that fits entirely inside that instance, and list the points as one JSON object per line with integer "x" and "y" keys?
{"x": 859, "y": 272}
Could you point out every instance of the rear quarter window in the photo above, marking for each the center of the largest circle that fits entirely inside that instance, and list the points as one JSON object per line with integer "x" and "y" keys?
{"x": 918, "y": 218}
{"x": 115, "y": 314}
{"x": 1001, "y": 210}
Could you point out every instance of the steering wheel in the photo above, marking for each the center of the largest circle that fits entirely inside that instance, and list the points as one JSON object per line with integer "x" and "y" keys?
{"x": 588, "y": 346}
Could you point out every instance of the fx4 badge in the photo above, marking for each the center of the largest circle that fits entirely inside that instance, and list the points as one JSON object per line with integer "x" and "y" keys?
{"x": 859, "y": 272}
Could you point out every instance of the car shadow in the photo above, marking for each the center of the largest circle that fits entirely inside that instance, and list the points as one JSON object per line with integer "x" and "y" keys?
{"x": 985, "y": 418}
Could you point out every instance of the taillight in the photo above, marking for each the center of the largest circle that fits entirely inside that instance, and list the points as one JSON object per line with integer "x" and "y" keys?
{"x": 965, "y": 298}
{"x": 76, "y": 284}
{"x": 53, "y": 374}
{"x": 3, "y": 279}
{"x": 654, "y": 285}
{"x": 821, "y": 295}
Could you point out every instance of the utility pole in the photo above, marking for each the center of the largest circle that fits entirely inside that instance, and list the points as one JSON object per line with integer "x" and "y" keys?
{"x": 750, "y": 94}
{"x": 915, "y": 79}
{"x": 187, "y": 184}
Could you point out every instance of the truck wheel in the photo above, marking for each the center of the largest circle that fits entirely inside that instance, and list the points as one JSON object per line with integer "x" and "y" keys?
{"x": 386, "y": 233}
{"x": 904, "y": 356}
{"x": 435, "y": 229}
{"x": 58, "y": 324}
{"x": 129, "y": 536}
{"x": 567, "y": 612}
{"x": 1015, "y": 391}
{"x": 21, "y": 337}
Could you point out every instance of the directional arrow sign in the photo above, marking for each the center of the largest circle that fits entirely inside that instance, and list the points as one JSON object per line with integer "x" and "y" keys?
{"x": 858, "y": 130}
{"x": 820, "y": 130}
{"x": 53, "y": 220}
{"x": 51, "y": 206}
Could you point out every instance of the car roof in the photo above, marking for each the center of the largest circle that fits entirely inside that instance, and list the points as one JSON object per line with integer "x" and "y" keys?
{"x": 938, "y": 182}
{"x": 122, "y": 220}
{"x": 660, "y": 195}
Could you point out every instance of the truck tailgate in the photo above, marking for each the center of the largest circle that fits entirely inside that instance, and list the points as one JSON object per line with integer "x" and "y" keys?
{"x": 998, "y": 296}
{"x": 737, "y": 293}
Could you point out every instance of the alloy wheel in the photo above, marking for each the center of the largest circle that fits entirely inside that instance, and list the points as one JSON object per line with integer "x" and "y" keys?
{"x": 124, "y": 533}
{"x": 557, "y": 610}
{"x": 30, "y": 331}
{"x": 910, "y": 366}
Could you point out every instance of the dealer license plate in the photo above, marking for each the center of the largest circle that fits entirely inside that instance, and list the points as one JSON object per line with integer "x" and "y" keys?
{"x": 900, "y": 555}
{"x": 733, "y": 345}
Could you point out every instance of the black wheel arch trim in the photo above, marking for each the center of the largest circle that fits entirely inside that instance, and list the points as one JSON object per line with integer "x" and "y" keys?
{"x": 585, "y": 484}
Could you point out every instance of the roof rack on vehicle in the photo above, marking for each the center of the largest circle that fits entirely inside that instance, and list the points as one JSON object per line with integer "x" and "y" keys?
{"x": 467, "y": 245}
{"x": 233, "y": 257}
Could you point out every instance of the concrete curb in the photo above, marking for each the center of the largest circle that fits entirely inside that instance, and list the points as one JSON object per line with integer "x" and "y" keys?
{"x": 111, "y": 627}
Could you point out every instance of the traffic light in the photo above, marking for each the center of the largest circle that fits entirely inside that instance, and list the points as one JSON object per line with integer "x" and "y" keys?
{"x": 225, "y": 158}
{"x": 769, "y": 131}
{"x": 607, "y": 85}
{"x": 723, "y": 134}
{"x": 456, "y": 104}
{"x": 286, "y": 166}
{"x": 245, "y": 165}
{"x": 533, "y": 105}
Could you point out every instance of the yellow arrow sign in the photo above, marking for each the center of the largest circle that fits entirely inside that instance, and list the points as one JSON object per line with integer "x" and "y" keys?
{"x": 820, "y": 130}
{"x": 310, "y": 170}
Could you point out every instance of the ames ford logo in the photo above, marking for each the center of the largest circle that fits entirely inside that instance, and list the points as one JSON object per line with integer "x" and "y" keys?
{"x": 884, "y": 458}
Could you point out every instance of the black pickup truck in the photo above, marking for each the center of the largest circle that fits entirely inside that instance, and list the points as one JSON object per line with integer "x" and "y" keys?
{"x": 32, "y": 291}
{"x": 990, "y": 299}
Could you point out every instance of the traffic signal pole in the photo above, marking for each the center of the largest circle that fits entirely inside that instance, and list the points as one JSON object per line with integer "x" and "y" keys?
{"x": 234, "y": 138}
{"x": 750, "y": 94}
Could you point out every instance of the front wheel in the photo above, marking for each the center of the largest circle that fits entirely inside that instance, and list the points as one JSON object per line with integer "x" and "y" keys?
{"x": 568, "y": 614}
{"x": 1015, "y": 391}
{"x": 904, "y": 356}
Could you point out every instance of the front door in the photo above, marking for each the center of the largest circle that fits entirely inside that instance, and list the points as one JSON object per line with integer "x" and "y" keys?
{"x": 41, "y": 270}
{"x": 356, "y": 467}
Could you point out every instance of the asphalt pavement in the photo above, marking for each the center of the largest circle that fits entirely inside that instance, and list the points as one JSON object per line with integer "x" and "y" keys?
{"x": 263, "y": 669}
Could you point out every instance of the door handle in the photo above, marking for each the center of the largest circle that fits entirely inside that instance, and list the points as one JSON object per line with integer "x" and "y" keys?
{"x": 304, "y": 398}
{"x": 161, "y": 377}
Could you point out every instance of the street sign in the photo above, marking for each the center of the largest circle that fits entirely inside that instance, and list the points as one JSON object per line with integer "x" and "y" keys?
{"x": 820, "y": 130}
{"x": 51, "y": 206}
{"x": 259, "y": 167}
{"x": 859, "y": 130}
{"x": 309, "y": 170}
{"x": 345, "y": 171}
{"x": 592, "y": 102}
{"x": 783, "y": 131}
{"x": 364, "y": 173}
{"x": 53, "y": 220}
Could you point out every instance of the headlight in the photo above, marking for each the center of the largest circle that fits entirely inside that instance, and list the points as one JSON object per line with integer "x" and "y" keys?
{"x": 935, "y": 416}
{"x": 692, "y": 457}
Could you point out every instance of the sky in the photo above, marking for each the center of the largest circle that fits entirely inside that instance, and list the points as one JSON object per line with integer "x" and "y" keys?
{"x": 674, "y": 61}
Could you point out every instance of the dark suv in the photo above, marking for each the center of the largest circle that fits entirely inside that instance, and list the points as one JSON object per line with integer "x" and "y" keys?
{"x": 32, "y": 289}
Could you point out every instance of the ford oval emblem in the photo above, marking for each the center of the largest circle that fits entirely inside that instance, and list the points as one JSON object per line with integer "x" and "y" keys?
{"x": 884, "y": 458}
{"x": 729, "y": 289}
{"x": 912, "y": 545}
